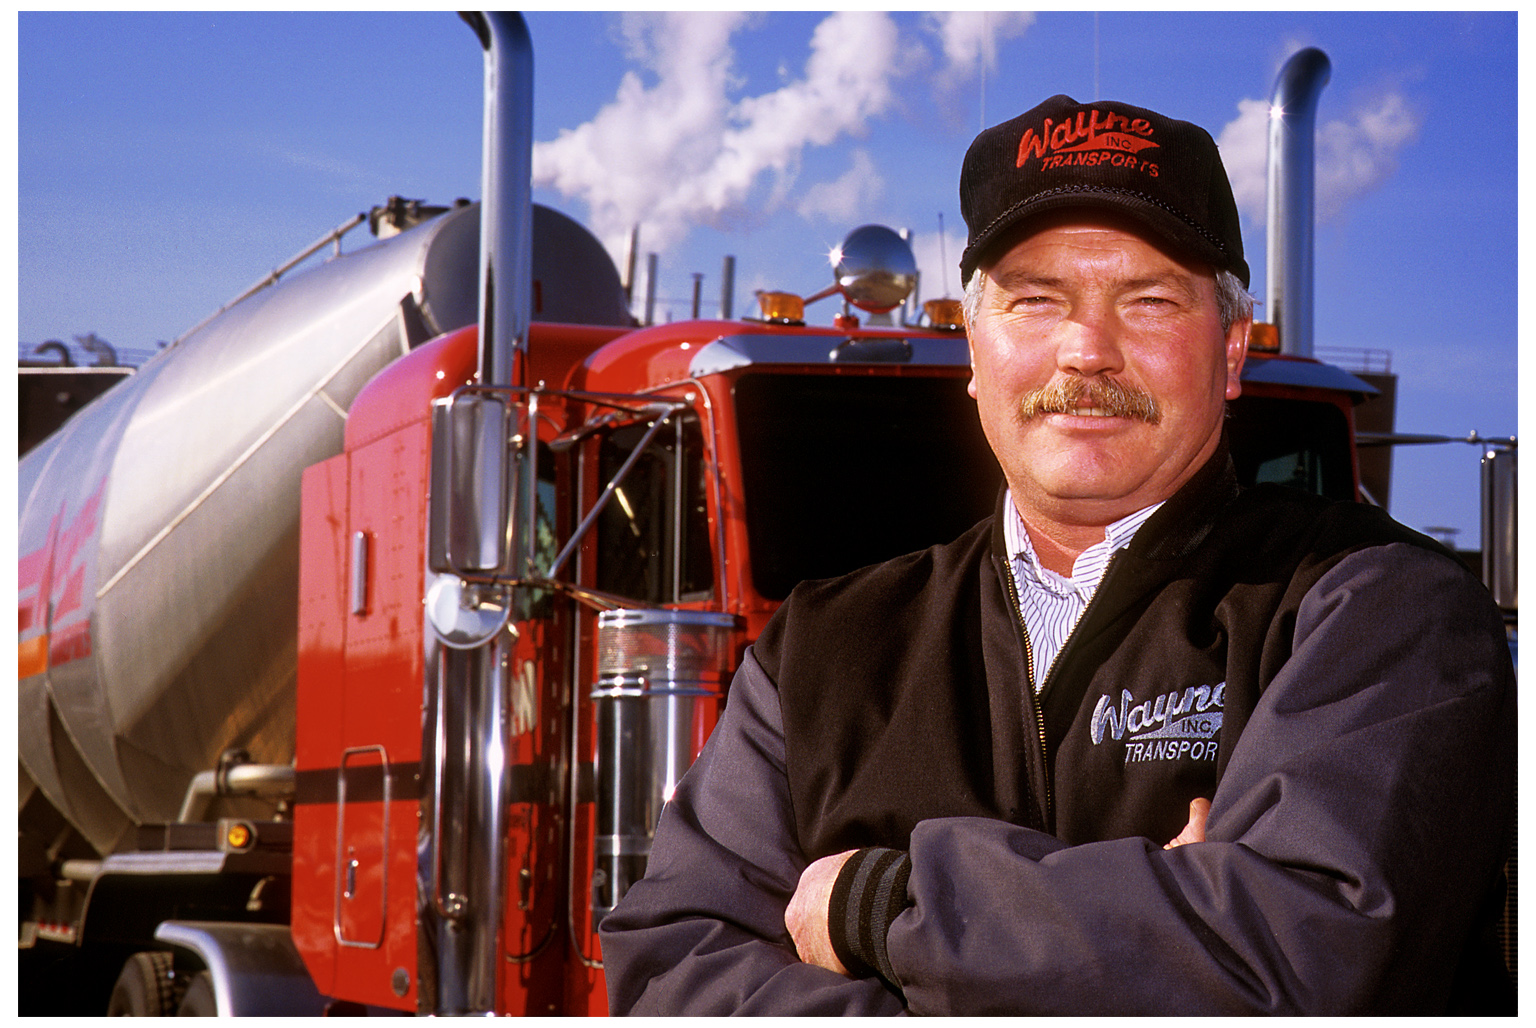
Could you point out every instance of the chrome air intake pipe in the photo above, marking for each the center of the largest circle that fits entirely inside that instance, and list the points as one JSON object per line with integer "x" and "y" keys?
{"x": 661, "y": 676}
{"x": 1292, "y": 173}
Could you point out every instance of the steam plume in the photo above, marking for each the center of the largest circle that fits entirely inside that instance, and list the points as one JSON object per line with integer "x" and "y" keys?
{"x": 690, "y": 155}
{"x": 1354, "y": 154}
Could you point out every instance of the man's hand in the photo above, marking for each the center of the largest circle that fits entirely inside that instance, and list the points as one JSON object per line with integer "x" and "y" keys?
{"x": 806, "y": 916}
{"x": 1194, "y": 831}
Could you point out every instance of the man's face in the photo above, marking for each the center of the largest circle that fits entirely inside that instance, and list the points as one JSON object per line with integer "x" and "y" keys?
{"x": 1080, "y": 308}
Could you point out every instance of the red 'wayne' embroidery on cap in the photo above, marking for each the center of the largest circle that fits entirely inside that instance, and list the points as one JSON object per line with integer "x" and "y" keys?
{"x": 1095, "y": 130}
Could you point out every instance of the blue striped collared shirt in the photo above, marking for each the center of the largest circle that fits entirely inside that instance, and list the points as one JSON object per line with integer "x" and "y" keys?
{"x": 1051, "y": 603}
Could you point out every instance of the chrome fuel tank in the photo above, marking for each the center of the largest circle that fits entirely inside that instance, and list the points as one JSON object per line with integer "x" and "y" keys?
{"x": 158, "y": 542}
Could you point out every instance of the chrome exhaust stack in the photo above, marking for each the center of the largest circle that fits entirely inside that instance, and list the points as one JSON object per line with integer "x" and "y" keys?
{"x": 462, "y": 871}
{"x": 506, "y": 203}
{"x": 1292, "y": 174}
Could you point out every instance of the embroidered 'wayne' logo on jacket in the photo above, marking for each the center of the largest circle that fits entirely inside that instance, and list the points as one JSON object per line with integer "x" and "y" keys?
{"x": 1173, "y": 726}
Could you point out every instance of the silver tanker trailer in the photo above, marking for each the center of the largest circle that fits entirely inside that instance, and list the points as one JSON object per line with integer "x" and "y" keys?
{"x": 158, "y": 536}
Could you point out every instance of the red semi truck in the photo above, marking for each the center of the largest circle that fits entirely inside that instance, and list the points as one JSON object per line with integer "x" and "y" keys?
{"x": 364, "y": 631}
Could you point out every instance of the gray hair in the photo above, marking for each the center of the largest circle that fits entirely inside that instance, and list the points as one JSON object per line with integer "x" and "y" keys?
{"x": 1233, "y": 302}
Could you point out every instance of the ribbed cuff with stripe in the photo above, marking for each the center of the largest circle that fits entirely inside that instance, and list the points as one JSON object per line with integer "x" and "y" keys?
{"x": 871, "y": 889}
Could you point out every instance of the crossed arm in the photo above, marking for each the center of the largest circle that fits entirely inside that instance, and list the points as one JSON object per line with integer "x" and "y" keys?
{"x": 806, "y": 915}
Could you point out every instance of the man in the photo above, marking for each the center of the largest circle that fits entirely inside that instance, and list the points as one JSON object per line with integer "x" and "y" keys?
{"x": 975, "y": 779}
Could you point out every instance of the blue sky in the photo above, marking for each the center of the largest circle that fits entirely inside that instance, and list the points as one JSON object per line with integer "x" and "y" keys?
{"x": 167, "y": 161}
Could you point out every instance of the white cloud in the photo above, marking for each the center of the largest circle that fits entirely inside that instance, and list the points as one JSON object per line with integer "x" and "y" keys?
{"x": 1244, "y": 145}
{"x": 1354, "y": 154}
{"x": 625, "y": 161}
{"x": 1357, "y": 156}
{"x": 344, "y": 173}
{"x": 969, "y": 41}
{"x": 844, "y": 199}
{"x": 680, "y": 152}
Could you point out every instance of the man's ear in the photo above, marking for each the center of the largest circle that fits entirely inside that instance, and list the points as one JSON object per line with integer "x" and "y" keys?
{"x": 970, "y": 349}
{"x": 1237, "y": 353}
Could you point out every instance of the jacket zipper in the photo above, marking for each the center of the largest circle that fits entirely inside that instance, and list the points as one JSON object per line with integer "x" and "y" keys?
{"x": 1035, "y": 695}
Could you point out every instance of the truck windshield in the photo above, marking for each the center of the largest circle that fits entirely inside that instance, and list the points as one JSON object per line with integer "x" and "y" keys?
{"x": 841, "y": 471}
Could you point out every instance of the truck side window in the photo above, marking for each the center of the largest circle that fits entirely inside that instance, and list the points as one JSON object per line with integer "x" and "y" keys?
{"x": 1302, "y": 444}
{"x": 546, "y": 540}
{"x": 653, "y": 538}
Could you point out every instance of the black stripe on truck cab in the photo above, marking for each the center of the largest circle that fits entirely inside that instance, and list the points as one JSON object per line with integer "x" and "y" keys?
{"x": 530, "y": 783}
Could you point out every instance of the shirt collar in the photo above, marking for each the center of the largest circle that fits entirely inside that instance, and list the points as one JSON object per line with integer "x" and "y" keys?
{"x": 1088, "y": 569}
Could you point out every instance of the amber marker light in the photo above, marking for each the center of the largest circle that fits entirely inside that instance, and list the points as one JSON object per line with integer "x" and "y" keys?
{"x": 238, "y": 836}
{"x": 1264, "y": 338}
{"x": 783, "y": 308}
{"x": 943, "y": 313}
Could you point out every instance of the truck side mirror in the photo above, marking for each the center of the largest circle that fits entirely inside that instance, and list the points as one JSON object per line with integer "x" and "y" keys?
{"x": 1499, "y": 526}
{"x": 469, "y": 507}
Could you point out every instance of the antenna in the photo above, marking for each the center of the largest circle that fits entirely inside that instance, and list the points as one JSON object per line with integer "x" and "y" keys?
{"x": 1097, "y": 93}
{"x": 982, "y": 56}
{"x": 943, "y": 257}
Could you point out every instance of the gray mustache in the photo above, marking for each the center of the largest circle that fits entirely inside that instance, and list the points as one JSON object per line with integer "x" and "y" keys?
{"x": 1065, "y": 396}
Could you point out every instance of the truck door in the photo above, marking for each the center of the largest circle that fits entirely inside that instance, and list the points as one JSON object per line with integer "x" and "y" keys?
{"x": 652, "y": 546}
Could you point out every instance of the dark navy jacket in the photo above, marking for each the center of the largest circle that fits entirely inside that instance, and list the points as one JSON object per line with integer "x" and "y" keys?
{"x": 1338, "y": 686}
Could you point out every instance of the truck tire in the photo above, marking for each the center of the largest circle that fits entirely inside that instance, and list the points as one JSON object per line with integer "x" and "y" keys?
{"x": 147, "y": 987}
{"x": 199, "y": 1000}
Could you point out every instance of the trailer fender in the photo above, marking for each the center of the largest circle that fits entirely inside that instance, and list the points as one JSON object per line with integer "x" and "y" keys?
{"x": 254, "y": 969}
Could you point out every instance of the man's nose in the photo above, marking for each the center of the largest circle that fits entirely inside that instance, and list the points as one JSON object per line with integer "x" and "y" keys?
{"x": 1090, "y": 343}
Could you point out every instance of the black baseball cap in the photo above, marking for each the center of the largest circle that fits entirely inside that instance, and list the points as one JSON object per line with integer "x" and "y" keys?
{"x": 1167, "y": 174}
